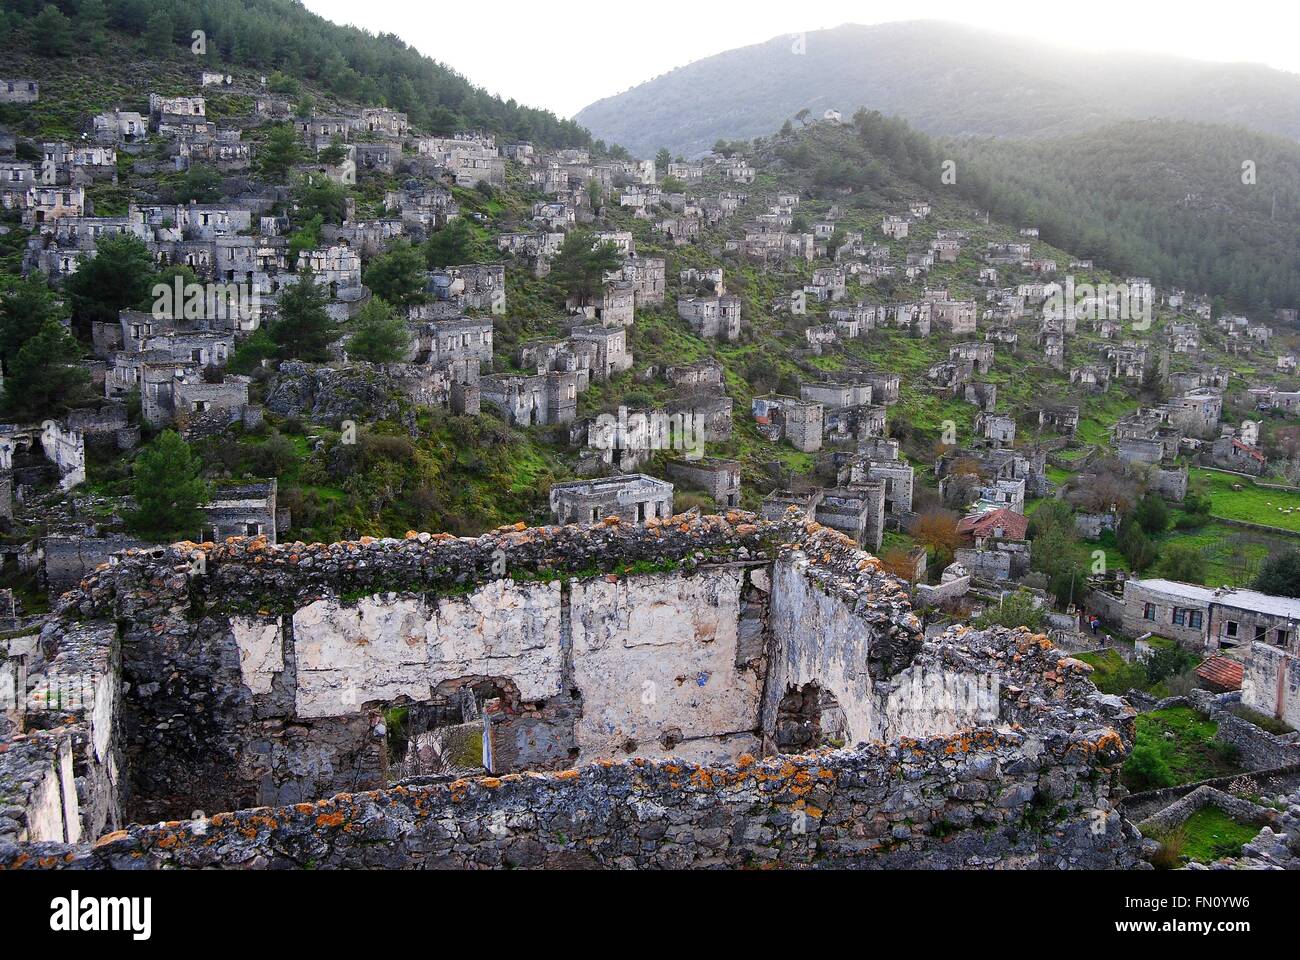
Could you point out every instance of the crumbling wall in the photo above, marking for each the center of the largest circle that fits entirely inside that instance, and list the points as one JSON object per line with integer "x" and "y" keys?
{"x": 59, "y": 755}
{"x": 842, "y": 630}
{"x": 1271, "y": 684}
{"x": 261, "y": 676}
{"x": 971, "y": 802}
{"x": 659, "y": 662}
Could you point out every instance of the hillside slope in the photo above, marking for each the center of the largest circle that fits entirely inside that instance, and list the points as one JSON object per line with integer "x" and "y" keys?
{"x": 945, "y": 79}
{"x": 129, "y": 38}
{"x": 1204, "y": 207}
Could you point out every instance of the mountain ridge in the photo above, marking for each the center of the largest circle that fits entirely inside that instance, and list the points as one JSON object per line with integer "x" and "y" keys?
{"x": 945, "y": 79}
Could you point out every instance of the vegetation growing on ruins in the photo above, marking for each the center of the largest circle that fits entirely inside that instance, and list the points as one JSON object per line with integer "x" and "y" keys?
{"x": 1176, "y": 746}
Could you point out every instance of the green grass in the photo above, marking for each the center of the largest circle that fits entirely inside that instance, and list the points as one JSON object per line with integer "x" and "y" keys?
{"x": 1251, "y": 504}
{"x": 1185, "y": 741}
{"x": 1099, "y": 415}
{"x": 1111, "y": 672}
{"x": 1210, "y": 834}
{"x": 1233, "y": 556}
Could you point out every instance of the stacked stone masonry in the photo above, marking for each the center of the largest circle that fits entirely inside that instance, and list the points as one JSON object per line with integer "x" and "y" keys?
{"x": 636, "y": 672}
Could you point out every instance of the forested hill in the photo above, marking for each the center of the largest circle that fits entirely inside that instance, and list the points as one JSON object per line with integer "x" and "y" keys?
{"x": 1209, "y": 208}
{"x": 269, "y": 35}
{"x": 1159, "y": 199}
{"x": 944, "y": 78}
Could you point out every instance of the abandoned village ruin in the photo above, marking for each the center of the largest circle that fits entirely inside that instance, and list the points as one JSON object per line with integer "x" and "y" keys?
{"x": 738, "y": 691}
{"x": 396, "y": 475}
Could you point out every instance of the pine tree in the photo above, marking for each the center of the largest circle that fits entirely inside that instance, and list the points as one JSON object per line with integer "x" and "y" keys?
{"x": 44, "y": 380}
{"x": 398, "y": 275}
{"x": 24, "y": 310}
{"x": 580, "y": 267}
{"x": 118, "y": 277}
{"x": 51, "y": 32}
{"x": 454, "y": 244}
{"x": 304, "y": 330}
{"x": 160, "y": 32}
{"x": 92, "y": 23}
{"x": 168, "y": 490}
{"x": 381, "y": 335}
{"x": 280, "y": 152}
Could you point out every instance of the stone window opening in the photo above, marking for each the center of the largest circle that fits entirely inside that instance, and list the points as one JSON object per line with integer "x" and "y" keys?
{"x": 809, "y": 717}
{"x": 442, "y": 737}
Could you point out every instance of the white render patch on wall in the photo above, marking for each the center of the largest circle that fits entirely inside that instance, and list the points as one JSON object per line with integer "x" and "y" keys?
{"x": 1270, "y": 683}
{"x": 505, "y": 629}
{"x": 261, "y": 651}
{"x": 45, "y": 812}
{"x": 656, "y": 660}
{"x": 819, "y": 639}
{"x": 387, "y": 648}
{"x": 68, "y": 785}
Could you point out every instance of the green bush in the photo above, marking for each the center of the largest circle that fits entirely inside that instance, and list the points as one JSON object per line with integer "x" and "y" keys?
{"x": 1017, "y": 610}
{"x": 1146, "y": 769}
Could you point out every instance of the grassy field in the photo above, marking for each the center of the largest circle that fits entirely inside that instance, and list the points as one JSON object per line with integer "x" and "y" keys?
{"x": 1208, "y": 835}
{"x": 1233, "y": 556}
{"x": 1251, "y": 504}
{"x": 1185, "y": 741}
{"x": 1110, "y": 671}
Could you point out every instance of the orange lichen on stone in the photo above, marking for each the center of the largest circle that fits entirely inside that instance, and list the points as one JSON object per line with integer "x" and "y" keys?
{"x": 803, "y": 783}
{"x": 567, "y": 775}
{"x": 115, "y": 836}
{"x": 330, "y": 820}
{"x": 744, "y": 761}
{"x": 491, "y": 783}
{"x": 702, "y": 778}
{"x": 1110, "y": 740}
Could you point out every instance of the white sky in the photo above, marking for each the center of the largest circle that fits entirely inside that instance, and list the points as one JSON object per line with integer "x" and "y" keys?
{"x": 564, "y": 54}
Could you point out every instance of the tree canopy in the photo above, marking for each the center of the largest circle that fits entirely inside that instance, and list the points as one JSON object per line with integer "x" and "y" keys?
{"x": 168, "y": 490}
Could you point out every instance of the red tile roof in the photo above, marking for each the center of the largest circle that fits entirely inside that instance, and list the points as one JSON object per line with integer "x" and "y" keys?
{"x": 1014, "y": 525}
{"x": 1221, "y": 672}
{"x": 1249, "y": 451}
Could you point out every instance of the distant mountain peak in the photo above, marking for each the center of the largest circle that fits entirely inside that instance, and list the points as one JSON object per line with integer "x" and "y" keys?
{"x": 945, "y": 78}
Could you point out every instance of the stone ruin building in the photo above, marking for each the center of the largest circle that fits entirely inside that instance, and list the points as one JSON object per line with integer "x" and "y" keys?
{"x": 736, "y": 690}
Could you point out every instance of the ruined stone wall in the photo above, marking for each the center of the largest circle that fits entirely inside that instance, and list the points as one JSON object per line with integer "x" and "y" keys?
{"x": 1271, "y": 684}
{"x": 819, "y": 637}
{"x": 261, "y": 676}
{"x": 69, "y": 559}
{"x": 60, "y": 763}
{"x": 970, "y": 802}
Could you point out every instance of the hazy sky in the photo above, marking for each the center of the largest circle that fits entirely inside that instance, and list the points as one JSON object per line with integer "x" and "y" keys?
{"x": 564, "y": 54}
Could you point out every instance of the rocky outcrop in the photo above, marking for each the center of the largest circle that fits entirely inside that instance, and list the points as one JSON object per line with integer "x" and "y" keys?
{"x": 327, "y": 395}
